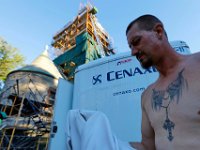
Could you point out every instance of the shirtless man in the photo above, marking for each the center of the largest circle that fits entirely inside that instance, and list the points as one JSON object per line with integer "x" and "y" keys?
{"x": 171, "y": 105}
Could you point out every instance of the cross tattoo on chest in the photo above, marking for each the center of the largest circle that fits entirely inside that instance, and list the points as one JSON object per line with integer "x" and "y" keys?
{"x": 173, "y": 92}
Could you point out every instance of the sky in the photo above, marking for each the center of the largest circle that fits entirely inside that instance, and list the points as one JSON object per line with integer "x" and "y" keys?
{"x": 29, "y": 25}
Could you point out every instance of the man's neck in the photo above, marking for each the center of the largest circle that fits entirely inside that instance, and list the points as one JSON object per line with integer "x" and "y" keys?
{"x": 169, "y": 63}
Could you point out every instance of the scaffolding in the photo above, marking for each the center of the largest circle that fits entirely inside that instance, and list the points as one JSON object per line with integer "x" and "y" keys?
{"x": 85, "y": 21}
{"x": 29, "y": 115}
{"x": 84, "y": 28}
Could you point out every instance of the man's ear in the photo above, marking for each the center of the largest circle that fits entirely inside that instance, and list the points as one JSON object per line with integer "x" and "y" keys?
{"x": 158, "y": 28}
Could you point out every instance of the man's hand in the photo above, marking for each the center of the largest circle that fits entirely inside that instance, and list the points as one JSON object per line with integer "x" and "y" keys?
{"x": 137, "y": 145}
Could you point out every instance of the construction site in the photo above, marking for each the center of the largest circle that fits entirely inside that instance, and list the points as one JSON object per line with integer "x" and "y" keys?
{"x": 80, "y": 41}
{"x": 28, "y": 97}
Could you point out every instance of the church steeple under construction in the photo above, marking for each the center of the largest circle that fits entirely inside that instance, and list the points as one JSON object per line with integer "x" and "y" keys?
{"x": 80, "y": 41}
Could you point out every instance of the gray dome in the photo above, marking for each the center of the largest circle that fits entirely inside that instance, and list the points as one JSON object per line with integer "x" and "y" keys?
{"x": 43, "y": 65}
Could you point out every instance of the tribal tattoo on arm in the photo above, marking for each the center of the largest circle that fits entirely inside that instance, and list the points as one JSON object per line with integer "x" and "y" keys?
{"x": 172, "y": 93}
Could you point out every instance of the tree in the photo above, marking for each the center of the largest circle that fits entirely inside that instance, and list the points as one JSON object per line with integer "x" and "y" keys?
{"x": 10, "y": 58}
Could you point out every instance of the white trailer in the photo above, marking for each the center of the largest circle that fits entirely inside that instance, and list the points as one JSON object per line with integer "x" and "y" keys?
{"x": 112, "y": 85}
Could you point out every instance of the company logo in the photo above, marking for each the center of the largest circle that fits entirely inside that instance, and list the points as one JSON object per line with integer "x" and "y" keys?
{"x": 120, "y": 74}
{"x": 123, "y": 61}
{"x": 96, "y": 79}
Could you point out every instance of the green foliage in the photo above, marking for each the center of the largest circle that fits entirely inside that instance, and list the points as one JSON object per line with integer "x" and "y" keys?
{"x": 10, "y": 58}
